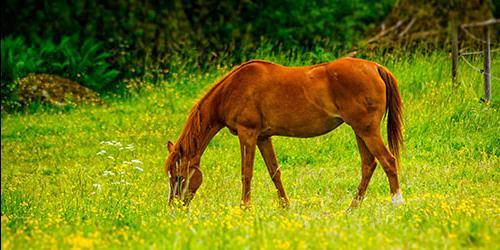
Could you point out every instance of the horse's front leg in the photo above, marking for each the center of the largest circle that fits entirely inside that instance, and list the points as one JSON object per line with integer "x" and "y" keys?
{"x": 248, "y": 140}
{"x": 368, "y": 165}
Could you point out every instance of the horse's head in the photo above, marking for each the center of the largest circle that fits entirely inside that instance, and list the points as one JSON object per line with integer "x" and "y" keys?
{"x": 184, "y": 174}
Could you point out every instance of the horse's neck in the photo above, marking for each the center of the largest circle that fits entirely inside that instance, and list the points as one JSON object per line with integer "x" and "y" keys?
{"x": 206, "y": 136}
{"x": 208, "y": 129}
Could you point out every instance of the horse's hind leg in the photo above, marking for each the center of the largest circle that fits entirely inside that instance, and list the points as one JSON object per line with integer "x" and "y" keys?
{"x": 248, "y": 140}
{"x": 368, "y": 165}
{"x": 267, "y": 152}
{"x": 375, "y": 144}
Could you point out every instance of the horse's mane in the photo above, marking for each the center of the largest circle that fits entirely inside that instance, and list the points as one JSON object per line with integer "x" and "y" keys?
{"x": 189, "y": 139}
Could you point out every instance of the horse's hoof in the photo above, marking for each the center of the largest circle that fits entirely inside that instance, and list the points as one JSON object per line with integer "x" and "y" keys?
{"x": 397, "y": 199}
{"x": 349, "y": 210}
{"x": 246, "y": 206}
{"x": 356, "y": 202}
{"x": 284, "y": 203}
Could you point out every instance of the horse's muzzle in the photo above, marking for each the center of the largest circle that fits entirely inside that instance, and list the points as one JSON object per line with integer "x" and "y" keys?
{"x": 178, "y": 192}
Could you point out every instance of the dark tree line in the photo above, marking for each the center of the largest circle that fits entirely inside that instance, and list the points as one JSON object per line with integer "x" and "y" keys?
{"x": 151, "y": 31}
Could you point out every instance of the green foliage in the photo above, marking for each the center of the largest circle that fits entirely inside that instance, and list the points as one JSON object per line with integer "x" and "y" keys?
{"x": 80, "y": 61}
{"x": 85, "y": 63}
{"x": 57, "y": 185}
{"x": 18, "y": 60}
{"x": 141, "y": 36}
{"x": 337, "y": 24}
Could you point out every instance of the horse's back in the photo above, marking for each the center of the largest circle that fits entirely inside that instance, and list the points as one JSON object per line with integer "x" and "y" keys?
{"x": 290, "y": 101}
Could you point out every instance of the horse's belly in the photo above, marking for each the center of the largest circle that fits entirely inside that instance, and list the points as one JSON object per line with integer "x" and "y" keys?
{"x": 310, "y": 127}
{"x": 300, "y": 114}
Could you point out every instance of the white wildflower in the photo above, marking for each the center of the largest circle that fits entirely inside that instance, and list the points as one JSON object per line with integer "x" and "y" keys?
{"x": 139, "y": 168}
{"x": 111, "y": 143}
{"x": 101, "y": 152}
{"x": 136, "y": 161}
{"x": 106, "y": 173}
{"x": 122, "y": 182}
{"x": 97, "y": 186}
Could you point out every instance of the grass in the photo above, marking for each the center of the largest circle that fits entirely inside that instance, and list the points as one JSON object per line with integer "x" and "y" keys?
{"x": 92, "y": 177}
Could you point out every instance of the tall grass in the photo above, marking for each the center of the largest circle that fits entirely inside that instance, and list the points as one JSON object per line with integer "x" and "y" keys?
{"x": 69, "y": 179}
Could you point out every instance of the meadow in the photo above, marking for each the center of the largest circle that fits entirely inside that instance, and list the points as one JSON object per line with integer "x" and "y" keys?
{"x": 93, "y": 177}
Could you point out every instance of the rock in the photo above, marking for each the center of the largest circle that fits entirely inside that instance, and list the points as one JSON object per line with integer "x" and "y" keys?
{"x": 52, "y": 89}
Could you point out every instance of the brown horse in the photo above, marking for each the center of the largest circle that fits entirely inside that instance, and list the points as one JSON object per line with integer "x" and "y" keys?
{"x": 260, "y": 99}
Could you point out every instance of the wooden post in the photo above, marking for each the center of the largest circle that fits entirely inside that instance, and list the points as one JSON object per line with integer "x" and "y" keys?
{"x": 454, "y": 50}
{"x": 487, "y": 65}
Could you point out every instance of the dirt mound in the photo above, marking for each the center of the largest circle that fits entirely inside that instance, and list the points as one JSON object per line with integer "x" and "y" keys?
{"x": 413, "y": 23}
{"x": 52, "y": 89}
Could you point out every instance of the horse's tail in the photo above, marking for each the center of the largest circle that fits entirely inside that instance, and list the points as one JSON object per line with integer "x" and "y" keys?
{"x": 394, "y": 112}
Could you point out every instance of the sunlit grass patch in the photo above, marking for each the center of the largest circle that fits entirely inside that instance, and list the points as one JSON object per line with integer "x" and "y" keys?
{"x": 93, "y": 177}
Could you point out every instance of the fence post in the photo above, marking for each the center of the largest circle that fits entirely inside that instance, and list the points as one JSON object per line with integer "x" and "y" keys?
{"x": 487, "y": 64}
{"x": 454, "y": 50}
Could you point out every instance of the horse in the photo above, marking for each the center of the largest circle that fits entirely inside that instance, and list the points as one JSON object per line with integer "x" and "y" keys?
{"x": 260, "y": 99}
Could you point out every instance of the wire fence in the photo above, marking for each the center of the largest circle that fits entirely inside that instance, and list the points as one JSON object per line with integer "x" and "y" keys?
{"x": 478, "y": 69}
{"x": 463, "y": 54}
{"x": 486, "y": 42}
{"x": 464, "y": 29}
{"x": 477, "y": 52}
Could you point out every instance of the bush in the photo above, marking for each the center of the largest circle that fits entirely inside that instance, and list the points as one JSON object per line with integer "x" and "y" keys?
{"x": 83, "y": 62}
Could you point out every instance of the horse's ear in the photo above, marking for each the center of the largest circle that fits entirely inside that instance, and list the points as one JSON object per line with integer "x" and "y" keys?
{"x": 170, "y": 146}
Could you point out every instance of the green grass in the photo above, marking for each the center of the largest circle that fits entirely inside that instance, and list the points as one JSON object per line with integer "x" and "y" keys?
{"x": 57, "y": 191}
